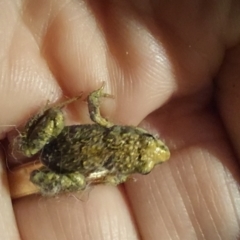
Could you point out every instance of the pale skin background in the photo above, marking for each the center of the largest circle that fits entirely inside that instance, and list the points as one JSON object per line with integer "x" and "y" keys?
{"x": 175, "y": 60}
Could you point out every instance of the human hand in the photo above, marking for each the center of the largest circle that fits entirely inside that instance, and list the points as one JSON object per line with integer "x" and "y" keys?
{"x": 159, "y": 59}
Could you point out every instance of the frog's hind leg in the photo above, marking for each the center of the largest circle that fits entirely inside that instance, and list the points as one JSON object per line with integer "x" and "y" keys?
{"x": 94, "y": 107}
{"x": 51, "y": 183}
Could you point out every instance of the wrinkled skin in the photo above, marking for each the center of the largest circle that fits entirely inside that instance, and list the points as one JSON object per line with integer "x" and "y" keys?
{"x": 177, "y": 61}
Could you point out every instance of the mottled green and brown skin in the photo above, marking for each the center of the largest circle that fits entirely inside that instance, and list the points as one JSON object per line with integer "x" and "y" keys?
{"x": 75, "y": 156}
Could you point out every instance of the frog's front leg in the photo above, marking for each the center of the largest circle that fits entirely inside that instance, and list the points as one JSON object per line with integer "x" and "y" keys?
{"x": 94, "y": 107}
{"x": 51, "y": 183}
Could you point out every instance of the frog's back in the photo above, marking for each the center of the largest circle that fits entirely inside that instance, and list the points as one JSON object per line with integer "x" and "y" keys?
{"x": 85, "y": 148}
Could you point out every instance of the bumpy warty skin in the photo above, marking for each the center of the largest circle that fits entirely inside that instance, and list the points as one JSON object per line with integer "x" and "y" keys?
{"x": 91, "y": 148}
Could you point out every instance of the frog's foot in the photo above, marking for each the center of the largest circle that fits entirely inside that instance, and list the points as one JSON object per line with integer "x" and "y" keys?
{"x": 94, "y": 106}
{"x": 51, "y": 183}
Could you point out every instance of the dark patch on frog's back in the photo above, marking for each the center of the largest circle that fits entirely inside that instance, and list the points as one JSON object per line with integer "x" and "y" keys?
{"x": 60, "y": 155}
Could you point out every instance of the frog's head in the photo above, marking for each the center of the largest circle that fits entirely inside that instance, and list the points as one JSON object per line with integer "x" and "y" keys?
{"x": 153, "y": 152}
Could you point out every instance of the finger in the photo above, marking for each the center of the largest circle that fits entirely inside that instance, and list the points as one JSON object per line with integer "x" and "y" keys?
{"x": 8, "y": 225}
{"x": 103, "y": 214}
{"x": 228, "y": 90}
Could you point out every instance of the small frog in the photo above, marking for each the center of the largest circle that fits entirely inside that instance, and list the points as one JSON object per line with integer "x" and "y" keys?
{"x": 79, "y": 155}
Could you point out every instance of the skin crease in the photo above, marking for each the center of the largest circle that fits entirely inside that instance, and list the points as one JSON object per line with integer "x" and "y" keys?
{"x": 176, "y": 61}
